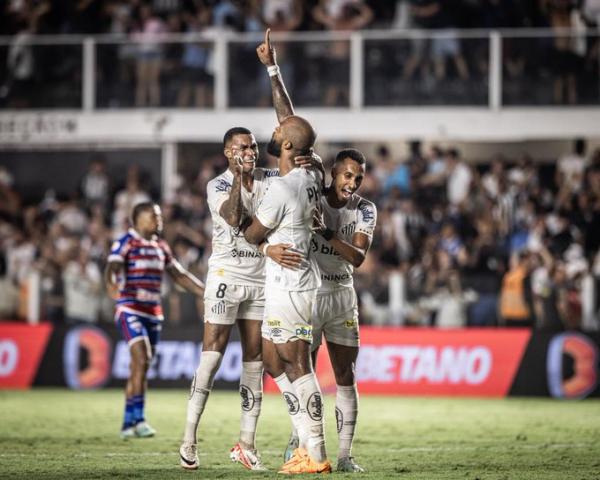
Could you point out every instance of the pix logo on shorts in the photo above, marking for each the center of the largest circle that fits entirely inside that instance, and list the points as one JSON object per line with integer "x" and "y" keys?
{"x": 304, "y": 332}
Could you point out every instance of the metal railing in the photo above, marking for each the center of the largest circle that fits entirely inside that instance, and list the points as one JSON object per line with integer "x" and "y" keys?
{"x": 352, "y": 70}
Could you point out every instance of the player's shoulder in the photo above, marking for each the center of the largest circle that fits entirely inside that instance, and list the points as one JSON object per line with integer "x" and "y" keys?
{"x": 364, "y": 206}
{"x": 262, "y": 173}
{"x": 220, "y": 183}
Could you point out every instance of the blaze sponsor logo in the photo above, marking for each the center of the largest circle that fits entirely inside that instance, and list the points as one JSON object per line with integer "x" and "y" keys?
{"x": 292, "y": 403}
{"x": 430, "y": 364}
{"x": 304, "y": 332}
{"x": 314, "y": 407}
{"x": 247, "y": 398}
{"x": 582, "y": 378}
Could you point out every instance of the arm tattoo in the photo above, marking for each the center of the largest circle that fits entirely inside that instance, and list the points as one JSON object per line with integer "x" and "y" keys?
{"x": 281, "y": 99}
{"x": 231, "y": 210}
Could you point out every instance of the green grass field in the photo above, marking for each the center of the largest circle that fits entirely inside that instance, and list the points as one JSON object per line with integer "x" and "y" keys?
{"x": 65, "y": 434}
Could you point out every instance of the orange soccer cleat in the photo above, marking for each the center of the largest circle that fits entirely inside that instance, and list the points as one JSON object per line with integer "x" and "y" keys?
{"x": 301, "y": 462}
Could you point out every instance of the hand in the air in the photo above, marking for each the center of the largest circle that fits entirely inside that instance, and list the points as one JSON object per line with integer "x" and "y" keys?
{"x": 266, "y": 52}
{"x": 280, "y": 253}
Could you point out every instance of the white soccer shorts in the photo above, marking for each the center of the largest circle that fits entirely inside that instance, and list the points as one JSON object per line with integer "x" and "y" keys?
{"x": 287, "y": 315}
{"x": 224, "y": 303}
{"x": 335, "y": 315}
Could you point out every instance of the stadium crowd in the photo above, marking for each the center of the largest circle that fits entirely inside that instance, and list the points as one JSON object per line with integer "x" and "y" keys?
{"x": 419, "y": 70}
{"x": 511, "y": 242}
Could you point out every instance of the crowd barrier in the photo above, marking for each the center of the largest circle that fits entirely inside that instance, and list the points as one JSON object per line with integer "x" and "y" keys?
{"x": 392, "y": 361}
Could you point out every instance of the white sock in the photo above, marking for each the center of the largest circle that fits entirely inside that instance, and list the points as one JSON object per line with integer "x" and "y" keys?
{"x": 311, "y": 411}
{"x": 346, "y": 412}
{"x": 251, "y": 390}
{"x": 201, "y": 387}
{"x": 291, "y": 400}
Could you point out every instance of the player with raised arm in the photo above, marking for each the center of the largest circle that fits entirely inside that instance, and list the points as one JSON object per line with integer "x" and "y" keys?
{"x": 234, "y": 294}
{"x": 344, "y": 241}
{"x": 133, "y": 277}
{"x": 286, "y": 216}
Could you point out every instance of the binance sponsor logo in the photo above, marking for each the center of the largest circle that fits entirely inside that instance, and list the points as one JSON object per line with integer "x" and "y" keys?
{"x": 271, "y": 322}
{"x": 351, "y": 324}
{"x": 304, "y": 332}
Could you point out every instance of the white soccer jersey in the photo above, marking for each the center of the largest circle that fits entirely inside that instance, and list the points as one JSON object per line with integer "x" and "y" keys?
{"x": 358, "y": 215}
{"x": 287, "y": 209}
{"x": 233, "y": 259}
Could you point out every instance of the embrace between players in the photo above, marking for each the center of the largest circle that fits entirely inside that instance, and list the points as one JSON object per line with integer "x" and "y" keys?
{"x": 288, "y": 283}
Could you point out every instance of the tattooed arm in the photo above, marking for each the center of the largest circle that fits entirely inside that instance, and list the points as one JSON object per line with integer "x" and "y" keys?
{"x": 281, "y": 99}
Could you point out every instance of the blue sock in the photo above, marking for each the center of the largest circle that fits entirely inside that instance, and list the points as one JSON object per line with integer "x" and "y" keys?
{"x": 128, "y": 418}
{"x": 138, "y": 408}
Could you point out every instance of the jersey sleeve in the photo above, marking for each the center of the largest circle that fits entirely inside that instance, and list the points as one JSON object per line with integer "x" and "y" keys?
{"x": 367, "y": 218}
{"x": 217, "y": 194}
{"x": 272, "y": 208}
{"x": 119, "y": 249}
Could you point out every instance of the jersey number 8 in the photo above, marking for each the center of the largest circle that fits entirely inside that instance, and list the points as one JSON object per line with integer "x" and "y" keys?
{"x": 221, "y": 290}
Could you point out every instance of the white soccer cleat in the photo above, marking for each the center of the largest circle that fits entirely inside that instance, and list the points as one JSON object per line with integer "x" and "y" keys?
{"x": 127, "y": 433}
{"x": 248, "y": 458}
{"x": 144, "y": 430}
{"x": 293, "y": 444}
{"x": 347, "y": 464}
{"x": 188, "y": 456}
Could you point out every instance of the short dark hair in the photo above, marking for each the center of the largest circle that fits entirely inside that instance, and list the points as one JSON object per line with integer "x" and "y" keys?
{"x": 139, "y": 209}
{"x": 352, "y": 153}
{"x": 229, "y": 134}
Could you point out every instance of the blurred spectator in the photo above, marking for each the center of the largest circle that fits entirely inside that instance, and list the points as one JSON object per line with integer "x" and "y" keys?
{"x": 459, "y": 179}
{"x": 95, "y": 185}
{"x": 126, "y": 199}
{"x": 343, "y": 15}
{"x": 83, "y": 288}
{"x": 571, "y": 168}
{"x": 149, "y": 56}
{"x": 515, "y": 295}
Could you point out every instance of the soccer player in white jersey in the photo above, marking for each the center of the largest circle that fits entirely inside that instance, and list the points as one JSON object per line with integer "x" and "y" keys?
{"x": 234, "y": 294}
{"x": 341, "y": 246}
{"x": 286, "y": 216}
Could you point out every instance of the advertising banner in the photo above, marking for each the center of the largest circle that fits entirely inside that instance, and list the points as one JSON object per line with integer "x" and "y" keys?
{"x": 391, "y": 361}
{"x": 21, "y": 349}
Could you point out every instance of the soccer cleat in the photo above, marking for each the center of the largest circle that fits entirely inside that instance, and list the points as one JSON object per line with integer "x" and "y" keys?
{"x": 347, "y": 464}
{"x": 144, "y": 430}
{"x": 248, "y": 458}
{"x": 292, "y": 445}
{"x": 301, "y": 462}
{"x": 188, "y": 456}
{"x": 127, "y": 433}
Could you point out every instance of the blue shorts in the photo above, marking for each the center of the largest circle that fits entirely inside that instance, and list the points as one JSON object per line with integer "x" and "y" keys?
{"x": 135, "y": 327}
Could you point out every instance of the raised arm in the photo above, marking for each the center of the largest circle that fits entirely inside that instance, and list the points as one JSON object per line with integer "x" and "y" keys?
{"x": 281, "y": 100}
{"x": 231, "y": 210}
